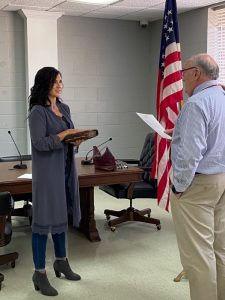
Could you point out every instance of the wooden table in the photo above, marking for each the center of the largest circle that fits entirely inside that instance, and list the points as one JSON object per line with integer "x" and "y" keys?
{"x": 88, "y": 179}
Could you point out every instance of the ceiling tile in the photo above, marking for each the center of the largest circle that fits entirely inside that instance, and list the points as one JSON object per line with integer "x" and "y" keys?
{"x": 193, "y": 3}
{"x": 76, "y": 7}
{"x": 3, "y": 3}
{"x": 31, "y": 4}
{"x": 36, "y": 3}
{"x": 112, "y": 11}
{"x": 147, "y": 14}
{"x": 139, "y": 3}
{"x": 124, "y": 10}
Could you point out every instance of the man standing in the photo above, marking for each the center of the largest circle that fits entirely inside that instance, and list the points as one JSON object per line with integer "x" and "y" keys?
{"x": 198, "y": 198}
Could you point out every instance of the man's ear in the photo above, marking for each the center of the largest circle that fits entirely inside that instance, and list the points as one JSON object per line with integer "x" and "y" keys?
{"x": 197, "y": 73}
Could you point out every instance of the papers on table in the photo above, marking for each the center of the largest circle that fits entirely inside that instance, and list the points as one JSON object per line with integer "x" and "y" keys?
{"x": 154, "y": 124}
{"x": 25, "y": 176}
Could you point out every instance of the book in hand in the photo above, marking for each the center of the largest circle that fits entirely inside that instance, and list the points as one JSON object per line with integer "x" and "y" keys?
{"x": 81, "y": 135}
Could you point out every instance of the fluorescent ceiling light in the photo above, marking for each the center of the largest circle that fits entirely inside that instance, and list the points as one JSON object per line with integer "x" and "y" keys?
{"x": 95, "y": 1}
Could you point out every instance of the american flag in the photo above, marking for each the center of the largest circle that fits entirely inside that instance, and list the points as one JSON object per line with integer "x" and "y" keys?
{"x": 169, "y": 97}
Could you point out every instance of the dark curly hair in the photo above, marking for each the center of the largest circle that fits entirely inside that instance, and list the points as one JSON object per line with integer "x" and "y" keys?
{"x": 43, "y": 83}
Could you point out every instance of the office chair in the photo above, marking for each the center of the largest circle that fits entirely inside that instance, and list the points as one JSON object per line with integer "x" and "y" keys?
{"x": 6, "y": 230}
{"x": 144, "y": 189}
{"x": 26, "y": 210}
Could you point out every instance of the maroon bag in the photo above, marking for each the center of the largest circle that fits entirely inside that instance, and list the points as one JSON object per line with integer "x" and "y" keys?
{"x": 105, "y": 161}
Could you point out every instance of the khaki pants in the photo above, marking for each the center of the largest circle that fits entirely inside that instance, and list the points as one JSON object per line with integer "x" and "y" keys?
{"x": 199, "y": 218}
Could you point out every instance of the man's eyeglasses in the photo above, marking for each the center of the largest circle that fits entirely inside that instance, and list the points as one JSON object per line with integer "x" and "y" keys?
{"x": 183, "y": 70}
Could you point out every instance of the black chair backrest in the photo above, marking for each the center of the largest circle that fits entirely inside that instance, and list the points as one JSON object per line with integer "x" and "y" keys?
{"x": 5, "y": 224}
{"x": 5, "y": 203}
{"x": 15, "y": 158}
{"x": 147, "y": 155}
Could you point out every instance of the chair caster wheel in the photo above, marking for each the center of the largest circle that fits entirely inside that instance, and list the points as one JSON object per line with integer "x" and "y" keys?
{"x": 113, "y": 229}
{"x": 107, "y": 217}
{"x": 158, "y": 227}
{"x": 13, "y": 264}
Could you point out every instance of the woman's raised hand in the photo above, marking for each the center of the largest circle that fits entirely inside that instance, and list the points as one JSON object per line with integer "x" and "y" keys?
{"x": 66, "y": 132}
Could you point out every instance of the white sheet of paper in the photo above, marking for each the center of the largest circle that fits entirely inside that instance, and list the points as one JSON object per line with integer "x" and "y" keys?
{"x": 154, "y": 124}
{"x": 25, "y": 176}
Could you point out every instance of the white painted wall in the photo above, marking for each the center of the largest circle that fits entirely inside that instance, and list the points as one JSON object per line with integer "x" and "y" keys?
{"x": 12, "y": 84}
{"x": 41, "y": 46}
{"x": 106, "y": 75}
{"x": 109, "y": 70}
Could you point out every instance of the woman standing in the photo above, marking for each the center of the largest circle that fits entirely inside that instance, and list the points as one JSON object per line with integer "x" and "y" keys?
{"x": 55, "y": 190}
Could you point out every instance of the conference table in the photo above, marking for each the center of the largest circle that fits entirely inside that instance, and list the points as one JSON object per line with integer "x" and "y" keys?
{"x": 88, "y": 179}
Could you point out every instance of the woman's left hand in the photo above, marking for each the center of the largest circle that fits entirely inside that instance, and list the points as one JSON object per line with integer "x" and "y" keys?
{"x": 76, "y": 142}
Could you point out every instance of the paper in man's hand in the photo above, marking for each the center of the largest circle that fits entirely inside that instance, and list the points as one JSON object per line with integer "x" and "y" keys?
{"x": 154, "y": 124}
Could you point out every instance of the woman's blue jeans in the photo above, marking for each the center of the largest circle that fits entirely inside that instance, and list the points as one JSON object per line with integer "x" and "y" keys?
{"x": 39, "y": 242}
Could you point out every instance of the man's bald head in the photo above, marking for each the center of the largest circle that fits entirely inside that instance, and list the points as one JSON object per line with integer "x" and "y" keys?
{"x": 207, "y": 64}
{"x": 198, "y": 69}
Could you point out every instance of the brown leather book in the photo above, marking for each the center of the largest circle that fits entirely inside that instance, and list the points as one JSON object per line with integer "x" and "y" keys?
{"x": 83, "y": 135}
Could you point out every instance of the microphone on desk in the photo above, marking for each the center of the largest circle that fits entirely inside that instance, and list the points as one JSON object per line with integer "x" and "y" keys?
{"x": 87, "y": 161}
{"x": 21, "y": 165}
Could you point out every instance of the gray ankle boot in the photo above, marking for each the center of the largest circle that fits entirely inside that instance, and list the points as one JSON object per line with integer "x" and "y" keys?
{"x": 41, "y": 283}
{"x": 62, "y": 266}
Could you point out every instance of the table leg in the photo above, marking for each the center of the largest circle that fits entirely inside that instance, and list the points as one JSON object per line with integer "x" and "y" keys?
{"x": 88, "y": 223}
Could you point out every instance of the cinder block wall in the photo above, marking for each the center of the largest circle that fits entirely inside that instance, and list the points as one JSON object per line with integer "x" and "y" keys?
{"x": 12, "y": 84}
{"x": 106, "y": 72}
{"x": 109, "y": 70}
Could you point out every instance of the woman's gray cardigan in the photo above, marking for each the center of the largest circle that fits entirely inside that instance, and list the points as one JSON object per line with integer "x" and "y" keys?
{"x": 50, "y": 211}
